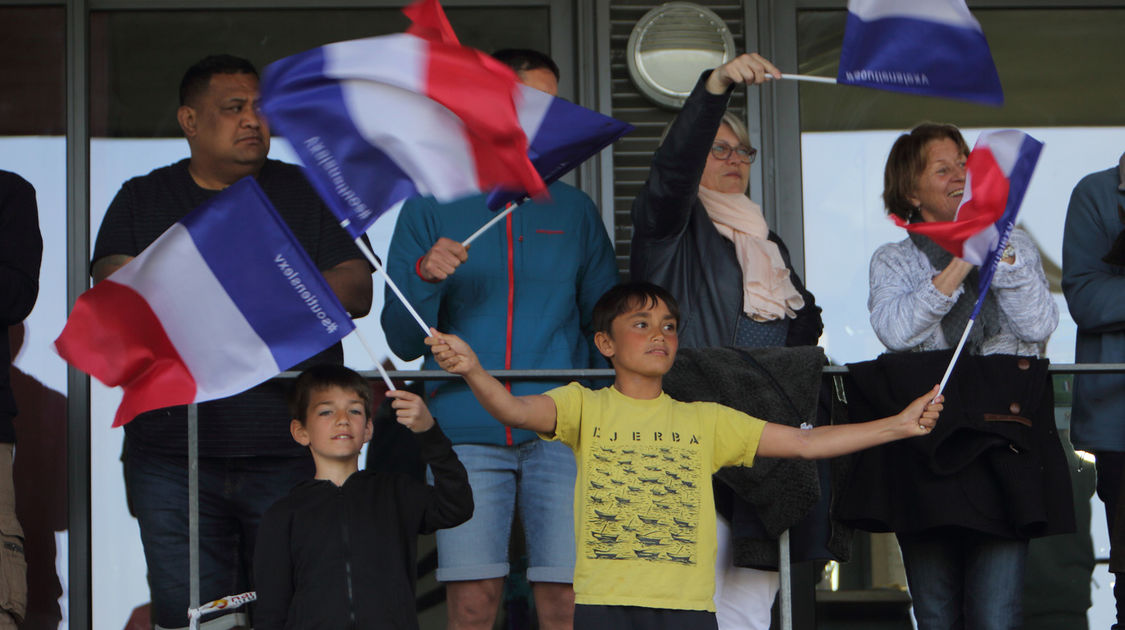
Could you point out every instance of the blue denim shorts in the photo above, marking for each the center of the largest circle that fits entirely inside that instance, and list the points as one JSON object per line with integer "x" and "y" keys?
{"x": 538, "y": 477}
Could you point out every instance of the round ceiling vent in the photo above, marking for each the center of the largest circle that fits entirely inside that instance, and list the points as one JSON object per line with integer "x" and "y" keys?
{"x": 671, "y": 45}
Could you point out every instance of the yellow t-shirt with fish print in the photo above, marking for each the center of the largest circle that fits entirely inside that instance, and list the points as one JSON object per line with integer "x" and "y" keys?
{"x": 644, "y": 515}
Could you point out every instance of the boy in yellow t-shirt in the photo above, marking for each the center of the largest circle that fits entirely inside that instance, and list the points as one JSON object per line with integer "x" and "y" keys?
{"x": 643, "y": 508}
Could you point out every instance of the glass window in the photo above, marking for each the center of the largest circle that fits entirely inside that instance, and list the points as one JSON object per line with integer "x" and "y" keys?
{"x": 1064, "y": 100}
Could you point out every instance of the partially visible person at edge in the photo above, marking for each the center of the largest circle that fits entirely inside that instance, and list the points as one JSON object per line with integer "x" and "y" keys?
{"x": 523, "y": 297}
{"x": 697, "y": 233}
{"x": 920, "y": 298}
{"x": 21, "y": 251}
{"x": 1093, "y": 281}
{"x": 247, "y": 458}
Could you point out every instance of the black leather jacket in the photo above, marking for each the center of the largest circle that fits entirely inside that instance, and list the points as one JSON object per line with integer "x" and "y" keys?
{"x": 676, "y": 246}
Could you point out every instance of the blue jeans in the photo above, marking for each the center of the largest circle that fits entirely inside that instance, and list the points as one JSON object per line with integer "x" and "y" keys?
{"x": 1111, "y": 469}
{"x": 961, "y": 579}
{"x": 538, "y": 478}
{"x": 233, "y": 495}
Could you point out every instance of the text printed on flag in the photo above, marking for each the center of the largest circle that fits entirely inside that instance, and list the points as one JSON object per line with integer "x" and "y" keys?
{"x": 884, "y": 76}
{"x": 327, "y": 161}
{"x": 307, "y": 296}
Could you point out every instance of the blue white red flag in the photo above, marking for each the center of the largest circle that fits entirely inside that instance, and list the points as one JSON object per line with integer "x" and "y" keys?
{"x": 205, "y": 312}
{"x": 926, "y": 47}
{"x": 561, "y": 135}
{"x": 381, "y": 119}
{"x": 998, "y": 172}
{"x": 428, "y": 21}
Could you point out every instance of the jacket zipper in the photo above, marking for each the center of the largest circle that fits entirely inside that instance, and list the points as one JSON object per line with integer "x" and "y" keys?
{"x": 511, "y": 313}
{"x": 347, "y": 555}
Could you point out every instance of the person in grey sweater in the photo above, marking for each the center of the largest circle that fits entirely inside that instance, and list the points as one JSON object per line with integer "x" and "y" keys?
{"x": 921, "y": 297}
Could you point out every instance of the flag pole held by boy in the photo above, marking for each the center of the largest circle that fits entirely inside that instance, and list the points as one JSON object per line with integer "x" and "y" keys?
{"x": 644, "y": 513}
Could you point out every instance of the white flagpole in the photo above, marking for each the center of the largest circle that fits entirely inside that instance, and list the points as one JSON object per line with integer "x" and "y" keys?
{"x": 808, "y": 77}
{"x": 390, "y": 283}
{"x": 491, "y": 222}
{"x": 378, "y": 365}
{"x": 956, "y": 353}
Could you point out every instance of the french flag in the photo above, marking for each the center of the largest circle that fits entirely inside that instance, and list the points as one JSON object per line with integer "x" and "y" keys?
{"x": 223, "y": 300}
{"x": 561, "y": 135}
{"x": 926, "y": 47}
{"x": 999, "y": 170}
{"x": 381, "y": 119}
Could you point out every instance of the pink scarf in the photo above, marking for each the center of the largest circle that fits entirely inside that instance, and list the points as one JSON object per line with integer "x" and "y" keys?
{"x": 767, "y": 291}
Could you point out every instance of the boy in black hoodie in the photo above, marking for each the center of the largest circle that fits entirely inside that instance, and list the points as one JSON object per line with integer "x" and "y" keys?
{"x": 340, "y": 550}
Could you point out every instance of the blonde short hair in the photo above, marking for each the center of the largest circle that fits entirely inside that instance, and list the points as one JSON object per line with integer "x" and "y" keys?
{"x": 730, "y": 119}
{"x": 734, "y": 121}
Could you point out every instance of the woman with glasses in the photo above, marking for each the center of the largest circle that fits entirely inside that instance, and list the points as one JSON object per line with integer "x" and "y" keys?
{"x": 697, "y": 233}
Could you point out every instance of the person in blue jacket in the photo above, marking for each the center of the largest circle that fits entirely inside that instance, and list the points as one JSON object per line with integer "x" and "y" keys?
{"x": 1093, "y": 281}
{"x": 523, "y": 297}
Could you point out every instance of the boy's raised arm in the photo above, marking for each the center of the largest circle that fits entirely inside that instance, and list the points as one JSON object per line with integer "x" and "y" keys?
{"x": 917, "y": 419}
{"x": 534, "y": 413}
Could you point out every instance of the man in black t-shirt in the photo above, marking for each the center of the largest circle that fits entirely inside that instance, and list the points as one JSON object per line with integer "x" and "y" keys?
{"x": 247, "y": 458}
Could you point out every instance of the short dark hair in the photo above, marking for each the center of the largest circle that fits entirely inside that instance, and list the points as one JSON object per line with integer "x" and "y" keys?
{"x": 618, "y": 300}
{"x": 906, "y": 162}
{"x": 324, "y": 376}
{"x": 198, "y": 77}
{"x": 523, "y": 59}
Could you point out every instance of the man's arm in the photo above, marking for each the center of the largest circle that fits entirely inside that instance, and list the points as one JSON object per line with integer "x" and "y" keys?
{"x": 918, "y": 418}
{"x": 534, "y": 413}
{"x": 116, "y": 243}
{"x": 414, "y": 236}
{"x": 105, "y": 266}
{"x": 21, "y": 249}
{"x": 351, "y": 282}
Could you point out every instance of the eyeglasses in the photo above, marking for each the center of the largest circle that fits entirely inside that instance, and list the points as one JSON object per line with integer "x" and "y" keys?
{"x": 722, "y": 150}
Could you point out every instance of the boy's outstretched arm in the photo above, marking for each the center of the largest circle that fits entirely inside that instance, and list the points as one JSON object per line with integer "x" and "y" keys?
{"x": 534, "y": 413}
{"x": 918, "y": 418}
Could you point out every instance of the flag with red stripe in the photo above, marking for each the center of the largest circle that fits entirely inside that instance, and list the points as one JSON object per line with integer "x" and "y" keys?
{"x": 205, "y": 312}
{"x": 998, "y": 173}
{"x": 381, "y": 119}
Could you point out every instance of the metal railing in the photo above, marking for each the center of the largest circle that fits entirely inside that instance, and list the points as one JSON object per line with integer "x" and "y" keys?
{"x": 526, "y": 375}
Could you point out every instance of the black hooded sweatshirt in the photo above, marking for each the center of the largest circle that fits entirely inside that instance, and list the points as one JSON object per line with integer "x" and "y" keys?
{"x": 338, "y": 557}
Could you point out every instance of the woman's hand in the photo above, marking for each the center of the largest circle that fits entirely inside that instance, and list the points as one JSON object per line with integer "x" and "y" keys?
{"x": 952, "y": 276}
{"x": 750, "y": 69}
